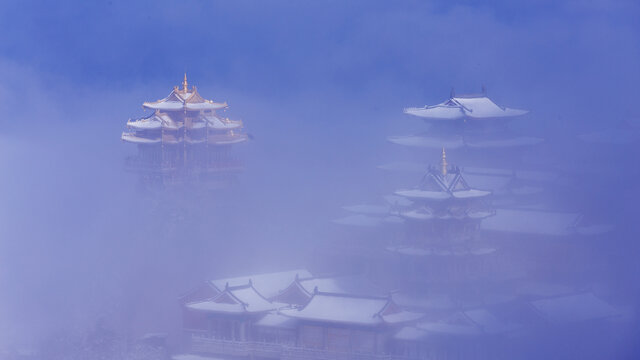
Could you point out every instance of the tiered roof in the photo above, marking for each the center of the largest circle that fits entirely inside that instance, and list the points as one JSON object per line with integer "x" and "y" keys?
{"x": 170, "y": 115}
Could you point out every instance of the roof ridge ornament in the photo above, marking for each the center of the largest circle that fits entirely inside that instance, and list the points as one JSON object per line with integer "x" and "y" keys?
{"x": 184, "y": 83}
{"x": 443, "y": 162}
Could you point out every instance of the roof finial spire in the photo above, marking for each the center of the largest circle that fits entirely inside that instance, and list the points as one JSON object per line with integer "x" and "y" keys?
{"x": 443, "y": 162}
{"x": 184, "y": 83}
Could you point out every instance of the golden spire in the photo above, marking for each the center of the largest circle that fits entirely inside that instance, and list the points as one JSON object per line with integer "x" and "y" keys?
{"x": 443, "y": 163}
{"x": 184, "y": 83}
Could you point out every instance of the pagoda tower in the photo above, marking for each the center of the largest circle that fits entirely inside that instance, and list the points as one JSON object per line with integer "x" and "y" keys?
{"x": 184, "y": 138}
{"x": 478, "y": 132}
{"x": 442, "y": 217}
{"x": 445, "y": 211}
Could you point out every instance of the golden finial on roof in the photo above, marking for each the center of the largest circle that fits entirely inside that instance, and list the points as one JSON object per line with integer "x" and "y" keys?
{"x": 184, "y": 83}
{"x": 443, "y": 162}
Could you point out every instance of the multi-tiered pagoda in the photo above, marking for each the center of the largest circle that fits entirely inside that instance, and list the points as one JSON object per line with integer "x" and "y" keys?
{"x": 184, "y": 138}
{"x": 476, "y": 129}
{"x": 442, "y": 219}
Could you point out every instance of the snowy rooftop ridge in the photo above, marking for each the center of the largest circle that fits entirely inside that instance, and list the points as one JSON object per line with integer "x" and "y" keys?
{"x": 268, "y": 284}
{"x": 436, "y": 185}
{"x": 235, "y": 300}
{"x": 184, "y": 99}
{"x": 477, "y": 106}
{"x": 351, "y": 309}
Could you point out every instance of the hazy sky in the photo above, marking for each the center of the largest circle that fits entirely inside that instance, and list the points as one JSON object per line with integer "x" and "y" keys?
{"x": 320, "y": 84}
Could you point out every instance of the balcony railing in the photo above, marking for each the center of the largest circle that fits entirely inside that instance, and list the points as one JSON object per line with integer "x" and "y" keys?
{"x": 201, "y": 343}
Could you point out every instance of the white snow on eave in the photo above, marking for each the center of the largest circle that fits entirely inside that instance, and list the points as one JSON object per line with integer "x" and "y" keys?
{"x": 138, "y": 140}
{"x": 436, "y": 112}
{"x": 341, "y": 309}
{"x": 212, "y": 306}
{"x": 471, "y": 193}
{"x": 165, "y": 105}
{"x": 205, "y": 106}
{"x": 483, "y": 107}
{"x": 423, "y": 194}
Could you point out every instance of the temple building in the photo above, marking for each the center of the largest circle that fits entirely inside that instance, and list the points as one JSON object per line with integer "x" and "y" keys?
{"x": 464, "y": 265}
{"x": 479, "y": 133}
{"x": 184, "y": 138}
{"x": 295, "y": 322}
{"x": 472, "y": 121}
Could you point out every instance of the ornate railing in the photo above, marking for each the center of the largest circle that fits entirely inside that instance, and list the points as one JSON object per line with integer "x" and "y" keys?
{"x": 201, "y": 343}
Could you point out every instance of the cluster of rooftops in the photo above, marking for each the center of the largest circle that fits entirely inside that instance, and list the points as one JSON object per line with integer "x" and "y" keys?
{"x": 284, "y": 299}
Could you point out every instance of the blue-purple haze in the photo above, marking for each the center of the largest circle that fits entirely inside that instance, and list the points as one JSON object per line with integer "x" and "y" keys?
{"x": 319, "y": 85}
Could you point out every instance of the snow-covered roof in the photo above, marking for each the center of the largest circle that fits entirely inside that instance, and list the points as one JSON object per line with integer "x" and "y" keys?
{"x": 236, "y": 300}
{"x": 184, "y": 100}
{"x": 474, "y": 107}
{"x": 470, "y": 193}
{"x": 574, "y": 308}
{"x": 349, "y": 284}
{"x": 133, "y": 138}
{"x": 438, "y": 186}
{"x": 423, "y": 194}
{"x": 350, "y": 309}
{"x": 532, "y": 222}
{"x": 217, "y": 123}
{"x": 268, "y": 284}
